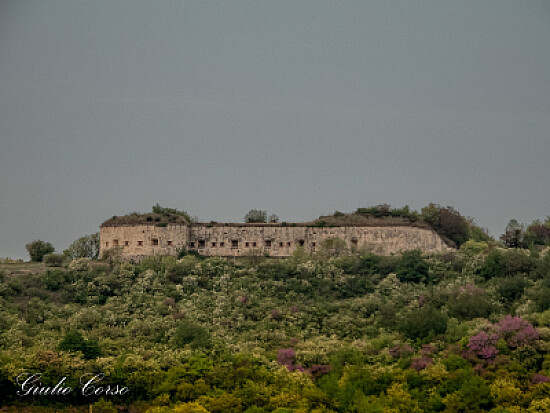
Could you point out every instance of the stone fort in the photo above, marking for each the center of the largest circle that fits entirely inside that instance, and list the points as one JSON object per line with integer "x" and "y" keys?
{"x": 143, "y": 235}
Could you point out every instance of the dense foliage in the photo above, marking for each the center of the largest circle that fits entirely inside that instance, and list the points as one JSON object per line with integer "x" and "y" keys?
{"x": 338, "y": 331}
{"x": 38, "y": 249}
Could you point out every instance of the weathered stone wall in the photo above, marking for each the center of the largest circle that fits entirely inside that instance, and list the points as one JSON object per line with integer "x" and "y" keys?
{"x": 138, "y": 241}
{"x": 276, "y": 240}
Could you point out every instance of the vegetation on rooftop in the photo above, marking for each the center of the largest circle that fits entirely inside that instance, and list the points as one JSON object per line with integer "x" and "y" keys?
{"x": 158, "y": 216}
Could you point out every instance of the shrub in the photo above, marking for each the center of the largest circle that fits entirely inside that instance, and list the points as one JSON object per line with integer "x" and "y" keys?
{"x": 483, "y": 345}
{"x": 420, "y": 323}
{"x": 54, "y": 279}
{"x": 469, "y": 302}
{"x": 492, "y": 265}
{"x": 194, "y": 335}
{"x": 412, "y": 267}
{"x": 420, "y": 363}
{"x": 73, "y": 341}
{"x": 80, "y": 264}
{"x": 516, "y": 331}
{"x": 511, "y": 288}
{"x": 38, "y": 249}
{"x": 256, "y": 216}
{"x": 54, "y": 260}
{"x": 84, "y": 247}
{"x": 517, "y": 262}
{"x": 447, "y": 222}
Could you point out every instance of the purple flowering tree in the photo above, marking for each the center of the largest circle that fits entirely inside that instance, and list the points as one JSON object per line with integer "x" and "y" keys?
{"x": 420, "y": 363}
{"x": 483, "y": 345}
{"x": 516, "y": 331}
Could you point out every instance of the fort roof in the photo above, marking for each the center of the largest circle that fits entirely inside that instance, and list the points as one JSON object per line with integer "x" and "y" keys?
{"x": 344, "y": 220}
{"x": 145, "y": 219}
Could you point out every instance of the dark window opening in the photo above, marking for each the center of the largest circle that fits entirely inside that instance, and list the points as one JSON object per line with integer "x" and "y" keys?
{"x": 301, "y": 242}
{"x": 107, "y": 244}
{"x": 115, "y": 242}
{"x": 280, "y": 244}
{"x": 234, "y": 244}
{"x": 313, "y": 245}
{"x": 288, "y": 244}
{"x": 155, "y": 241}
{"x": 268, "y": 244}
{"x": 222, "y": 244}
{"x": 213, "y": 244}
{"x": 254, "y": 244}
{"x": 169, "y": 242}
{"x": 354, "y": 241}
{"x": 126, "y": 243}
{"x": 202, "y": 243}
{"x": 192, "y": 244}
{"x": 140, "y": 243}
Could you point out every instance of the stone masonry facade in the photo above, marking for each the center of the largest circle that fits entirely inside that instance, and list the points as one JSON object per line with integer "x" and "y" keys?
{"x": 234, "y": 240}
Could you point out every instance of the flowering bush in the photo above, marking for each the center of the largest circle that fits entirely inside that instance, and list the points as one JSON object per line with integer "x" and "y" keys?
{"x": 401, "y": 350}
{"x": 286, "y": 356}
{"x": 420, "y": 363}
{"x": 540, "y": 378}
{"x": 516, "y": 331}
{"x": 484, "y": 345}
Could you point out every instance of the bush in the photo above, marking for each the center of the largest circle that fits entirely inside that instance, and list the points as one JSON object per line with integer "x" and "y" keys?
{"x": 192, "y": 334}
{"x": 517, "y": 262}
{"x": 255, "y": 216}
{"x": 412, "y": 267}
{"x": 84, "y": 247}
{"x": 469, "y": 302}
{"x": 420, "y": 323}
{"x": 80, "y": 264}
{"x": 73, "y": 341}
{"x": 38, "y": 249}
{"x": 54, "y": 260}
{"x": 492, "y": 265}
{"x": 54, "y": 279}
{"x": 511, "y": 288}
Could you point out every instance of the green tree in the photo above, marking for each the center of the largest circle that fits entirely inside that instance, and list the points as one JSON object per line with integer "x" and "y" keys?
{"x": 514, "y": 237}
{"x": 412, "y": 267}
{"x": 74, "y": 341}
{"x": 492, "y": 265}
{"x": 273, "y": 218}
{"x": 420, "y": 323}
{"x": 84, "y": 247}
{"x": 192, "y": 334}
{"x": 38, "y": 249}
{"x": 255, "y": 216}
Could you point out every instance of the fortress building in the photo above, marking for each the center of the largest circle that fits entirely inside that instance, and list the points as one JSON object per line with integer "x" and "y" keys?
{"x": 142, "y": 235}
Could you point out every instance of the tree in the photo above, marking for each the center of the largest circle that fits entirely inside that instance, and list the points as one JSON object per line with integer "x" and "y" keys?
{"x": 538, "y": 233}
{"x": 273, "y": 218}
{"x": 73, "y": 341}
{"x": 37, "y": 249}
{"x": 84, "y": 247}
{"x": 447, "y": 222}
{"x": 193, "y": 334}
{"x": 255, "y": 216}
{"x": 421, "y": 322}
{"x": 514, "y": 235}
{"x": 412, "y": 267}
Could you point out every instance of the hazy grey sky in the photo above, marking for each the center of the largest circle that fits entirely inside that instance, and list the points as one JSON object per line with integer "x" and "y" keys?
{"x": 298, "y": 107}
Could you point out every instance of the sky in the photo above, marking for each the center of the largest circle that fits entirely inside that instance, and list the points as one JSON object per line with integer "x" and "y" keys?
{"x": 300, "y": 108}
